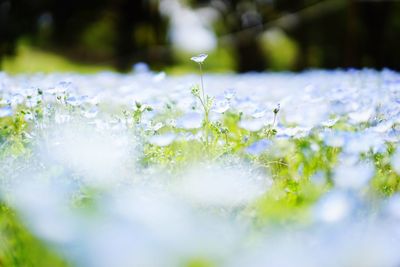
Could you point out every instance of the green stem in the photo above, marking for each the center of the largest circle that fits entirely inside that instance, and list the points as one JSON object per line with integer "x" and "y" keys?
{"x": 273, "y": 123}
{"x": 206, "y": 126}
{"x": 203, "y": 101}
{"x": 202, "y": 84}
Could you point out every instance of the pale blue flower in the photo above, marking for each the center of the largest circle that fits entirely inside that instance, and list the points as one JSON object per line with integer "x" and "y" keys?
{"x": 6, "y": 111}
{"x": 259, "y": 147}
{"x": 199, "y": 58}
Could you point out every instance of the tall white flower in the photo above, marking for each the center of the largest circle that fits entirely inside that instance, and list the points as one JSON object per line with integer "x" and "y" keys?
{"x": 199, "y": 58}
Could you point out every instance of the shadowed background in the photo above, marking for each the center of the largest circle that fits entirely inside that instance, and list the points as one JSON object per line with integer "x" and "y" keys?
{"x": 240, "y": 35}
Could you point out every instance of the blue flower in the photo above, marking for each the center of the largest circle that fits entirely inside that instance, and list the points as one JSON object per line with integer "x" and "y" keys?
{"x": 259, "y": 147}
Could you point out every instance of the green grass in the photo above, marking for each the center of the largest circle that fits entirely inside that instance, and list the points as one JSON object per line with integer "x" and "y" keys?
{"x": 19, "y": 248}
{"x": 30, "y": 60}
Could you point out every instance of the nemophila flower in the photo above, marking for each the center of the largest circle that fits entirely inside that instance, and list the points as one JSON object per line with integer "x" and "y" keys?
{"x": 56, "y": 91}
{"x": 258, "y": 113}
{"x": 353, "y": 176}
{"x": 221, "y": 105}
{"x": 140, "y": 108}
{"x": 292, "y": 132}
{"x": 230, "y": 94}
{"x": 64, "y": 86}
{"x": 330, "y": 122}
{"x": 334, "y": 207}
{"x": 393, "y": 135}
{"x": 61, "y": 118}
{"x": 306, "y": 114}
{"x": 33, "y": 101}
{"x": 363, "y": 142}
{"x": 170, "y": 122}
{"x": 190, "y": 136}
{"x": 383, "y": 127}
{"x": 334, "y": 138}
{"x": 6, "y": 111}
{"x": 163, "y": 139}
{"x": 16, "y": 99}
{"x": 192, "y": 120}
{"x": 252, "y": 125}
{"x": 5, "y": 100}
{"x": 361, "y": 115}
{"x": 140, "y": 68}
{"x": 158, "y": 126}
{"x": 199, "y": 58}
{"x": 259, "y": 147}
{"x": 73, "y": 101}
{"x": 91, "y": 113}
{"x": 159, "y": 77}
{"x": 246, "y": 106}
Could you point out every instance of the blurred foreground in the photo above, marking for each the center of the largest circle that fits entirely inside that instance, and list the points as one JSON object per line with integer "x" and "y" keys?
{"x": 150, "y": 170}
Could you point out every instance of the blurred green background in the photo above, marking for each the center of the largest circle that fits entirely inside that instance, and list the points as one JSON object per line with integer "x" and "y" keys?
{"x": 240, "y": 35}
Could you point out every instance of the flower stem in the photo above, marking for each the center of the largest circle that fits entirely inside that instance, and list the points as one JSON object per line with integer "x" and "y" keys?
{"x": 203, "y": 101}
{"x": 202, "y": 84}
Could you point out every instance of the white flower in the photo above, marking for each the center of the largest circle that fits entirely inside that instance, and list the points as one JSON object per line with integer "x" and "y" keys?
{"x": 221, "y": 106}
{"x": 158, "y": 126}
{"x": 190, "y": 121}
{"x": 162, "y": 140}
{"x": 258, "y": 113}
{"x": 251, "y": 125}
{"x": 200, "y": 58}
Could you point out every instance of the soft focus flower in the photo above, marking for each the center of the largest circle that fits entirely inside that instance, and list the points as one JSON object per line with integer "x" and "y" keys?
{"x": 199, "y": 59}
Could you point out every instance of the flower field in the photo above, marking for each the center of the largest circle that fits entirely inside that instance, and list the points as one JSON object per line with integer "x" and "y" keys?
{"x": 146, "y": 169}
